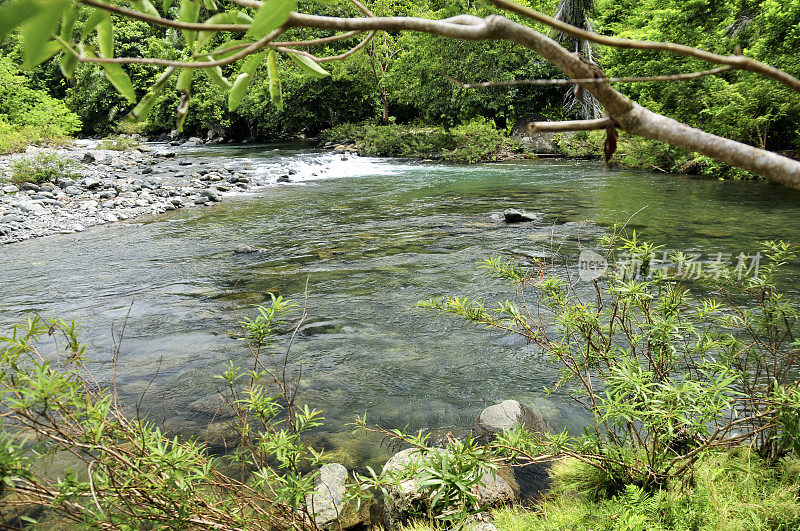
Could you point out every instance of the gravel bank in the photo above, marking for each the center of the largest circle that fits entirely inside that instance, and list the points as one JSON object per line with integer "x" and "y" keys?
{"x": 116, "y": 185}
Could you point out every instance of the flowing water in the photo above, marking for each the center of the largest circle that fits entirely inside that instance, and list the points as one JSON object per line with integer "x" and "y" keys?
{"x": 370, "y": 237}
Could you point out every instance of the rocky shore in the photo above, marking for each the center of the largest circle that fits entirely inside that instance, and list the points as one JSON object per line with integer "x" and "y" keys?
{"x": 109, "y": 186}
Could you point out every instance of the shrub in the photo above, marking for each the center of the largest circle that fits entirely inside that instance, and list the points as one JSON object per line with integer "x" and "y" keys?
{"x": 118, "y": 143}
{"x": 665, "y": 376}
{"x": 40, "y": 168}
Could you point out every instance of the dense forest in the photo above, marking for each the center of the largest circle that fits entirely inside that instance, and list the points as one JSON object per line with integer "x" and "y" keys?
{"x": 400, "y": 79}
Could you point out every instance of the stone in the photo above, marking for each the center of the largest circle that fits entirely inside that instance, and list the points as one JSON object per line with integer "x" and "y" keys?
{"x": 147, "y": 170}
{"x": 407, "y": 498}
{"x": 515, "y": 215}
{"x": 505, "y": 415}
{"x": 283, "y": 179}
{"x": 12, "y": 218}
{"x": 211, "y": 194}
{"x": 30, "y": 186}
{"x": 244, "y": 249}
{"x": 72, "y": 190}
{"x": 91, "y": 184}
{"x": 328, "y": 502}
{"x": 89, "y": 157}
{"x": 10, "y": 189}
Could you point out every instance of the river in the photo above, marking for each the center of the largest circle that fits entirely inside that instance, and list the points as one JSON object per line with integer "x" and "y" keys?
{"x": 371, "y": 237}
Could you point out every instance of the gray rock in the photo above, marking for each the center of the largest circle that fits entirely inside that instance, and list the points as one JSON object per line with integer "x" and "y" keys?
{"x": 212, "y": 195}
{"x": 72, "y": 190}
{"x": 91, "y": 183}
{"x": 201, "y": 200}
{"x": 30, "y": 186}
{"x": 407, "y": 498}
{"x": 244, "y": 249}
{"x": 505, "y": 415}
{"x": 147, "y": 170}
{"x": 515, "y": 215}
{"x": 328, "y": 504}
{"x": 283, "y": 179}
{"x": 10, "y": 189}
{"x": 88, "y": 157}
{"x": 12, "y": 218}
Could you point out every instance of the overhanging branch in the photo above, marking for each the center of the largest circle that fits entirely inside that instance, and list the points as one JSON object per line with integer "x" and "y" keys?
{"x": 571, "y": 125}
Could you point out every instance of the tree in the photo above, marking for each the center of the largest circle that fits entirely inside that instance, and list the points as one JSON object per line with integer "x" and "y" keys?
{"x": 209, "y": 50}
{"x": 576, "y": 13}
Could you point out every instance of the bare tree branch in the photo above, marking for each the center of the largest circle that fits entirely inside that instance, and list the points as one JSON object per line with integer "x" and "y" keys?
{"x": 574, "y": 125}
{"x": 736, "y": 61}
{"x": 668, "y": 78}
{"x": 159, "y": 21}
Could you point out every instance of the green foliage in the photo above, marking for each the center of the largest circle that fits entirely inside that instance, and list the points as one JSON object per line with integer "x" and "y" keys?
{"x": 665, "y": 376}
{"x": 118, "y": 143}
{"x": 473, "y": 142}
{"x": 40, "y": 168}
{"x": 729, "y": 490}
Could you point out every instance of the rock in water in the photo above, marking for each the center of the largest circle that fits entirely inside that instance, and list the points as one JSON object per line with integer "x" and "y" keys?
{"x": 89, "y": 157}
{"x": 503, "y": 416}
{"x": 244, "y": 249}
{"x": 515, "y": 215}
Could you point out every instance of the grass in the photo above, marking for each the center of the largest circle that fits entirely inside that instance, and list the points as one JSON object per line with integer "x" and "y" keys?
{"x": 40, "y": 168}
{"x": 729, "y": 490}
{"x": 118, "y": 143}
{"x": 15, "y": 138}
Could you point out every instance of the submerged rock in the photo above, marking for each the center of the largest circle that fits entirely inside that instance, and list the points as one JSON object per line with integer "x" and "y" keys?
{"x": 505, "y": 415}
{"x": 515, "y": 215}
{"x": 244, "y": 249}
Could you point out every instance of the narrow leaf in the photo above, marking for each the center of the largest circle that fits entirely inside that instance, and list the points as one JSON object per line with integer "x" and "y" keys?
{"x": 185, "y": 79}
{"x": 275, "y": 92}
{"x": 117, "y": 77}
{"x": 166, "y": 4}
{"x": 146, "y": 7}
{"x": 251, "y": 63}
{"x": 210, "y": 5}
{"x": 238, "y": 91}
{"x": 68, "y": 23}
{"x": 183, "y": 110}
{"x": 95, "y": 18}
{"x": 214, "y": 73}
{"x": 105, "y": 38}
{"x": 145, "y": 105}
{"x": 309, "y": 65}
{"x": 68, "y": 63}
{"x": 272, "y": 15}
{"x": 229, "y": 17}
{"x": 37, "y": 29}
{"x": 188, "y": 13}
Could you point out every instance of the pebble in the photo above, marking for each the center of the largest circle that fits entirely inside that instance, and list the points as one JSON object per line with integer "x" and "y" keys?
{"x": 113, "y": 186}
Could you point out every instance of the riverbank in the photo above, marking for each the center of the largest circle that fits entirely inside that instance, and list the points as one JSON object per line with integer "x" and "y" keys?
{"x": 90, "y": 185}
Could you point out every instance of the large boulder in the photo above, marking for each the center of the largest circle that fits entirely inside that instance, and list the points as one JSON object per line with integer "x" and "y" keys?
{"x": 327, "y": 502}
{"x": 505, "y": 415}
{"x": 408, "y": 498}
{"x": 516, "y": 215}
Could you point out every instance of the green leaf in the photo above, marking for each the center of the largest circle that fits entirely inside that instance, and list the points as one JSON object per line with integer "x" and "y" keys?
{"x": 185, "y": 79}
{"x": 145, "y": 105}
{"x": 146, "y": 7}
{"x": 228, "y": 44}
{"x": 166, "y": 4}
{"x": 117, "y": 77}
{"x": 214, "y": 73}
{"x": 210, "y": 5}
{"x": 46, "y": 52}
{"x": 238, "y": 91}
{"x": 229, "y": 17}
{"x": 188, "y": 13}
{"x": 14, "y": 13}
{"x": 68, "y": 63}
{"x": 38, "y": 29}
{"x": 309, "y": 65}
{"x": 251, "y": 63}
{"x": 275, "y": 92}
{"x": 96, "y": 18}
{"x": 68, "y": 24}
{"x": 105, "y": 37}
{"x": 272, "y": 15}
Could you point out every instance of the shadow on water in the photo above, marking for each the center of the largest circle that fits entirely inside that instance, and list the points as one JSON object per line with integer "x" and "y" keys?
{"x": 370, "y": 243}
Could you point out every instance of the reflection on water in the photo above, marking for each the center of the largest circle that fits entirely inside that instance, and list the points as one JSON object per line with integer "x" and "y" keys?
{"x": 371, "y": 237}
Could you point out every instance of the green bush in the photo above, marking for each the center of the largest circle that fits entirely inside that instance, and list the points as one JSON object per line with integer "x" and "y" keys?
{"x": 118, "y": 143}
{"x": 478, "y": 141}
{"x": 40, "y": 168}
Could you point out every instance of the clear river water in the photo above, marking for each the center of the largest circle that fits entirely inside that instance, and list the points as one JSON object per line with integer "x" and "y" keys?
{"x": 371, "y": 237}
